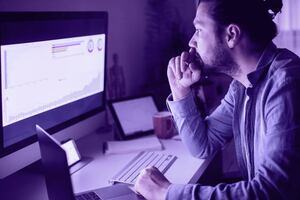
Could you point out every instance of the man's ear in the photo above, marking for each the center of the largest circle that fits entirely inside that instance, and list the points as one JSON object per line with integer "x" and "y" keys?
{"x": 233, "y": 35}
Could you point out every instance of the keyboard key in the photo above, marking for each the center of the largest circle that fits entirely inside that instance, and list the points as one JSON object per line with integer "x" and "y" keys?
{"x": 88, "y": 196}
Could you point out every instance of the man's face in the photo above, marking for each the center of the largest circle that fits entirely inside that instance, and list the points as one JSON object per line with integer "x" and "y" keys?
{"x": 210, "y": 44}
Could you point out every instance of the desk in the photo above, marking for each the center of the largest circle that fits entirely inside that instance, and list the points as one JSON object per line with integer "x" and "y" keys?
{"x": 29, "y": 183}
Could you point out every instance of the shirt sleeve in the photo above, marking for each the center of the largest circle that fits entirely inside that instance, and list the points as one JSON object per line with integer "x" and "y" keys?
{"x": 278, "y": 174}
{"x": 203, "y": 137}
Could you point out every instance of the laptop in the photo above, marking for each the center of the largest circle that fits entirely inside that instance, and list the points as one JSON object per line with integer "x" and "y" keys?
{"x": 58, "y": 180}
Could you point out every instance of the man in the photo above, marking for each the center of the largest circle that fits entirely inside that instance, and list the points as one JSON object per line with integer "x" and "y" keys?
{"x": 260, "y": 111}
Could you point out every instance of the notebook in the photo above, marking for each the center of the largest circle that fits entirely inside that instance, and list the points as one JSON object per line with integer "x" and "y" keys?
{"x": 135, "y": 145}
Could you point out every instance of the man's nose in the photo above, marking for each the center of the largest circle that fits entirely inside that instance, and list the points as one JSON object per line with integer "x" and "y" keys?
{"x": 192, "y": 42}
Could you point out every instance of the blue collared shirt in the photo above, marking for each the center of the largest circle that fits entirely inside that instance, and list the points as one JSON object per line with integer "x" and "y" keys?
{"x": 268, "y": 149}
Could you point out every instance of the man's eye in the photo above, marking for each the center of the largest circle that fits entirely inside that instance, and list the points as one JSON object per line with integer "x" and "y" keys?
{"x": 198, "y": 30}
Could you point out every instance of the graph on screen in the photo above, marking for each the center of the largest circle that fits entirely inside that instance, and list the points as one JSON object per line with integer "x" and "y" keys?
{"x": 44, "y": 75}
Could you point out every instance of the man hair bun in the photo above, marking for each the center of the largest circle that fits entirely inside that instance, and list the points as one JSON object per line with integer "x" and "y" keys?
{"x": 273, "y": 6}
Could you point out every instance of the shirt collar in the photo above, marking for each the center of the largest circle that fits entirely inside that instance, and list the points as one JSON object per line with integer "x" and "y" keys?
{"x": 263, "y": 65}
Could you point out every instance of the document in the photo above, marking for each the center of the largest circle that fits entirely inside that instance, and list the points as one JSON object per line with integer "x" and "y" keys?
{"x": 135, "y": 145}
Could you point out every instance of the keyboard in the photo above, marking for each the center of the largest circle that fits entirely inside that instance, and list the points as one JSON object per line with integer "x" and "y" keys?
{"x": 130, "y": 172}
{"x": 88, "y": 196}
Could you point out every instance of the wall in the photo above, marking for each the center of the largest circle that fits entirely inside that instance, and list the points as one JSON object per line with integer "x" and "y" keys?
{"x": 288, "y": 22}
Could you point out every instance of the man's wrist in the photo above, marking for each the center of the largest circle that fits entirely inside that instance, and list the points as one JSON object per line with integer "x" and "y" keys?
{"x": 178, "y": 95}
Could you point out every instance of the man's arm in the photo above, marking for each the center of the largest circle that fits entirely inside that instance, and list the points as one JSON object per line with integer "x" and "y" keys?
{"x": 201, "y": 136}
{"x": 278, "y": 176}
{"x": 201, "y": 139}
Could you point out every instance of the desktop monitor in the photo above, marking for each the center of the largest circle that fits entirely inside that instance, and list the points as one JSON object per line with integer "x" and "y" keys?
{"x": 52, "y": 72}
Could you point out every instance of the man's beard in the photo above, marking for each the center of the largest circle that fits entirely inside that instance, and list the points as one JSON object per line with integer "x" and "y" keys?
{"x": 221, "y": 62}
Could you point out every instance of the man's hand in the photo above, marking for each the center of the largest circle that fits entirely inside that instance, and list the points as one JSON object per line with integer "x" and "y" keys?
{"x": 152, "y": 184}
{"x": 183, "y": 71}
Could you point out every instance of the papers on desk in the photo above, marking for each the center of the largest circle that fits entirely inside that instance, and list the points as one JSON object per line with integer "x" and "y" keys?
{"x": 135, "y": 145}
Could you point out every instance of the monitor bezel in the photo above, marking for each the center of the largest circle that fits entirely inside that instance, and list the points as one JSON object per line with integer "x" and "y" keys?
{"x": 22, "y": 16}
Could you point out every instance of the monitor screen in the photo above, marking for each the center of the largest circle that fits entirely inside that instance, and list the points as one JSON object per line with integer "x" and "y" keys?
{"x": 52, "y": 72}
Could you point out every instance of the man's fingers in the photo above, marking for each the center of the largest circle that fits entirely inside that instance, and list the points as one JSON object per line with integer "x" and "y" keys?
{"x": 182, "y": 72}
{"x": 146, "y": 172}
{"x": 151, "y": 184}
{"x": 196, "y": 72}
{"x": 177, "y": 68}
{"x": 171, "y": 68}
{"x": 194, "y": 67}
{"x": 192, "y": 53}
{"x": 184, "y": 61}
{"x": 139, "y": 180}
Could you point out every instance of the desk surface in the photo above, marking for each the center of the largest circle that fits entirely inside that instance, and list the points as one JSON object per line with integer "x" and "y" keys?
{"x": 29, "y": 183}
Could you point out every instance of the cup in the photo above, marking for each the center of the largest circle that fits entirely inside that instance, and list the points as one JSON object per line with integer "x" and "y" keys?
{"x": 163, "y": 125}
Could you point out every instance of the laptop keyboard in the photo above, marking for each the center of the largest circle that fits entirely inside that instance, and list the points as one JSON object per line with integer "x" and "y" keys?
{"x": 144, "y": 159}
{"x": 88, "y": 196}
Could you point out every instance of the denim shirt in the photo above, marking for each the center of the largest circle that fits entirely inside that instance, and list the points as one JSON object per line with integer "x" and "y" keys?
{"x": 271, "y": 135}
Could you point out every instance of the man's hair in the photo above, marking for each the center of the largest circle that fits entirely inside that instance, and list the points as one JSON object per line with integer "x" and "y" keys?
{"x": 254, "y": 17}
